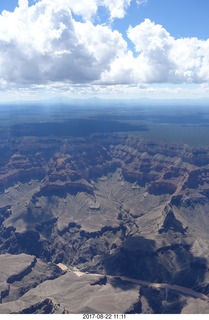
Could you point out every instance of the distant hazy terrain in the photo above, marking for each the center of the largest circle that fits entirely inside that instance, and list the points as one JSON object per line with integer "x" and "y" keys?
{"x": 104, "y": 209}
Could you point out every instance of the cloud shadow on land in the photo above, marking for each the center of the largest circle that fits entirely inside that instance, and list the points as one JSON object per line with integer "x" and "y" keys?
{"x": 136, "y": 259}
{"x": 163, "y": 301}
{"x": 74, "y": 128}
{"x": 139, "y": 259}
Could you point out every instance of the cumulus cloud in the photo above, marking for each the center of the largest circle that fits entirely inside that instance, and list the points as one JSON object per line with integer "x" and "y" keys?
{"x": 87, "y": 10}
{"x": 160, "y": 58}
{"x": 169, "y": 59}
{"x": 81, "y": 8}
{"x": 117, "y": 8}
{"x": 45, "y": 43}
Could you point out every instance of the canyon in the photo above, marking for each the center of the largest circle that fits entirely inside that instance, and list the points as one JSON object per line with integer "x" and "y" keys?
{"x": 113, "y": 206}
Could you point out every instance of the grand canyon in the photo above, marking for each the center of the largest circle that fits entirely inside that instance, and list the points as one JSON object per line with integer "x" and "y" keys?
{"x": 106, "y": 222}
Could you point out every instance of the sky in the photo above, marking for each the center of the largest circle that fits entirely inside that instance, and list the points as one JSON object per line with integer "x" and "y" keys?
{"x": 111, "y": 49}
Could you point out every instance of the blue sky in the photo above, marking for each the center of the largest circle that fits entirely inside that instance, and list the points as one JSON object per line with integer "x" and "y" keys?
{"x": 127, "y": 49}
{"x": 10, "y": 5}
{"x": 182, "y": 18}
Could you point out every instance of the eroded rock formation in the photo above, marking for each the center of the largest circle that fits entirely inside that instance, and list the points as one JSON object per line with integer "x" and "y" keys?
{"x": 112, "y": 205}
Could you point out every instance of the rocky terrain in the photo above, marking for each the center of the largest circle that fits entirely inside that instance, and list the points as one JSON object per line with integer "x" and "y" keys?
{"x": 130, "y": 215}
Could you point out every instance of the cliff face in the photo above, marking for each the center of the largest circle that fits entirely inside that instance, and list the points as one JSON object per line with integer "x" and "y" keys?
{"x": 21, "y": 273}
{"x": 107, "y": 204}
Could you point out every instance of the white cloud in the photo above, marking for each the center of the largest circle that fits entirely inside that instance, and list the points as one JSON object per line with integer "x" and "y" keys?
{"x": 84, "y": 9}
{"x": 23, "y": 3}
{"x": 117, "y": 8}
{"x": 103, "y": 43}
{"x": 160, "y": 58}
{"x": 44, "y": 44}
{"x": 88, "y": 9}
{"x": 153, "y": 44}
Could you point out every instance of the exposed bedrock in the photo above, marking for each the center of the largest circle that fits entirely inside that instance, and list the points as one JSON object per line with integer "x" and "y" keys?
{"x": 20, "y": 273}
{"x": 107, "y": 205}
